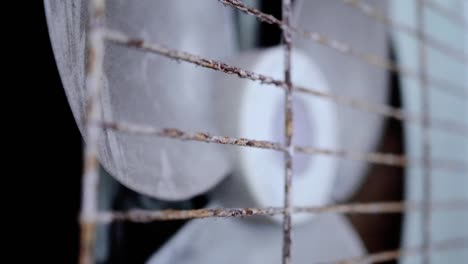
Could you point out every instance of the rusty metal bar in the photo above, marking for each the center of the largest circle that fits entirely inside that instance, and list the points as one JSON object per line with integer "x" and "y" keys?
{"x": 90, "y": 179}
{"x": 175, "y": 133}
{"x": 385, "y": 110}
{"x": 394, "y": 207}
{"x": 381, "y": 158}
{"x": 374, "y": 157}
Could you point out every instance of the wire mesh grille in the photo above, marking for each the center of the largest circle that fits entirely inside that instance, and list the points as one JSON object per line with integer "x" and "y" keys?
{"x": 97, "y": 35}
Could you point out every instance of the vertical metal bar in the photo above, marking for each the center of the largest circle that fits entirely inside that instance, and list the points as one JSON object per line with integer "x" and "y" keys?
{"x": 89, "y": 204}
{"x": 288, "y": 156}
{"x": 425, "y": 137}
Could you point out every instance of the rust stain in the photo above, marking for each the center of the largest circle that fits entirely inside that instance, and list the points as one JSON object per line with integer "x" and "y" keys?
{"x": 137, "y": 43}
{"x": 388, "y": 159}
{"x": 88, "y": 230}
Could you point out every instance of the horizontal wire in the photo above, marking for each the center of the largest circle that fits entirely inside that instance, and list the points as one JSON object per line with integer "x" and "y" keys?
{"x": 446, "y": 12}
{"x": 379, "y": 15}
{"x": 442, "y": 85}
{"x": 385, "y": 110}
{"x": 145, "y": 216}
{"x": 175, "y": 133}
{"x": 375, "y": 158}
{"x": 384, "y": 256}
{"x": 387, "y": 159}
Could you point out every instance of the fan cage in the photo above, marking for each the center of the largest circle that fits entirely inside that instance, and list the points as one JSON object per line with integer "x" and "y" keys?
{"x": 99, "y": 33}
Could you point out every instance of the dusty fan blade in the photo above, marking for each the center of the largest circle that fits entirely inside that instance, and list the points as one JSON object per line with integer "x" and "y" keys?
{"x": 148, "y": 89}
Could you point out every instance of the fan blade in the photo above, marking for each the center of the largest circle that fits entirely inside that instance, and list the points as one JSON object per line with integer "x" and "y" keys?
{"x": 148, "y": 89}
{"x": 350, "y": 77}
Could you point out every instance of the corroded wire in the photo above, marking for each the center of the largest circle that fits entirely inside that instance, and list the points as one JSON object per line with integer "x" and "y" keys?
{"x": 93, "y": 109}
{"x": 394, "y": 207}
{"x": 385, "y": 110}
{"x": 381, "y": 158}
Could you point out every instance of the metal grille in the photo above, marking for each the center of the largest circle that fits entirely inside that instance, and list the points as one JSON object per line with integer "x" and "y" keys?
{"x": 99, "y": 33}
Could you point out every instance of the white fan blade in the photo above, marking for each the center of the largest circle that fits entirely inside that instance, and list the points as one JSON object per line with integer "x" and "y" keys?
{"x": 255, "y": 110}
{"x": 148, "y": 89}
{"x": 348, "y": 76}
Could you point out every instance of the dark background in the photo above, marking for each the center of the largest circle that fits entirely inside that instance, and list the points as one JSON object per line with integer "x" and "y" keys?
{"x": 50, "y": 156}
